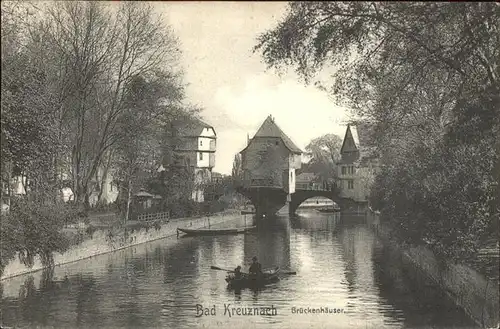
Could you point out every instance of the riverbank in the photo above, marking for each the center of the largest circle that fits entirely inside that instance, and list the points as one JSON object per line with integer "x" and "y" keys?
{"x": 108, "y": 240}
{"x": 476, "y": 294}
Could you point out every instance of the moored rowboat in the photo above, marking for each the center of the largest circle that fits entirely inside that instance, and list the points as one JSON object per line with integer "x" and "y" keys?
{"x": 246, "y": 281}
{"x": 204, "y": 231}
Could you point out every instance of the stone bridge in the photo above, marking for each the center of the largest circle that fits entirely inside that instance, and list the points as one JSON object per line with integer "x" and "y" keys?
{"x": 268, "y": 200}
{"x": 269, "y": 164}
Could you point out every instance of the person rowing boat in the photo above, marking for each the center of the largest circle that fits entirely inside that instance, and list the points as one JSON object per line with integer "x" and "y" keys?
{"x": 255, "y": 269}
{"x": 237, "y": 272}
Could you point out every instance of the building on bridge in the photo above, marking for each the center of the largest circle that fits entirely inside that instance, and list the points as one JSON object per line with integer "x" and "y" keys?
{"x": 270, "y": 159}
{"x": 356, "y": 167}
{"x": 269, "y": 162}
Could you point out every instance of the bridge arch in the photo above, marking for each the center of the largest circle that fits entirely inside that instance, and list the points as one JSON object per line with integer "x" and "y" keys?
{"x": 318, "y": 201}
{"x": 268, "y": 201}
{"x": 300, "y": 196}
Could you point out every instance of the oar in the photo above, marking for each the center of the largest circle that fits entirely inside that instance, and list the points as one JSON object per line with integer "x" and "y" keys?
{"x": 220, "y": 269}
{"x": 224, "y": 269}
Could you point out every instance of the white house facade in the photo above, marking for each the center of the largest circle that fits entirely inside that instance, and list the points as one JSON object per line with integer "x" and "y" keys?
{"x": 197, "y": 146}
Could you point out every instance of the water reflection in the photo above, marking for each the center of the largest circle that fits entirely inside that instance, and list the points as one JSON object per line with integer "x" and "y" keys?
{"x": 339, "y": 263}
{"x": 315, "y": 222}
{"x": 270, "y": 243}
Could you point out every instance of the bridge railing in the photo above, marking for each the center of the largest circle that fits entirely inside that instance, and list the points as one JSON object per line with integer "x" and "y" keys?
{"x": 298, "y": 186}
{"x": 262, "y": 182}
{"x": 313, "y": 187}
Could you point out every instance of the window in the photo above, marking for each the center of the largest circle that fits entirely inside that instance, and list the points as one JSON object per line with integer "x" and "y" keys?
{"x": 201, "y": 155}
{"x": 201, "y": 143}
{"x": 277, "y": 143}
{"x": 344, "y": 171}
{"x": 350, "y": 184}
{"x": 351, "y": 170}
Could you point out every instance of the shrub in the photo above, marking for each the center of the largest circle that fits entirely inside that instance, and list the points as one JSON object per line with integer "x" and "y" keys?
{"x": 443, "y": 197}
{"x": 34, "y": 228}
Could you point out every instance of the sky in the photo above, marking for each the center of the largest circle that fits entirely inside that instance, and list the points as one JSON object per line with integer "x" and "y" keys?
{"x": 233, "y": 85}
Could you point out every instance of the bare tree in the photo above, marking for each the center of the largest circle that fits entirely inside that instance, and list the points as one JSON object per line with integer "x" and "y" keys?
{"x": 103, "y": 48}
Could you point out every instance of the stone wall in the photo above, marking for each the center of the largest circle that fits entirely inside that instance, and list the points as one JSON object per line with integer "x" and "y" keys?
{"x": 477, "y": 295}
{"x": 109, "y": 240}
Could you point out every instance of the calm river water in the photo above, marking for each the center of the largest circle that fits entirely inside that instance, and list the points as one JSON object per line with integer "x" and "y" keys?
{"x": 340, "y": 264}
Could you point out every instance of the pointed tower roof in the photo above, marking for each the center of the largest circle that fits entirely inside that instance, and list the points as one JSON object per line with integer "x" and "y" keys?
{"x": 270, "y": 129}
{"x": 351, "y": 140}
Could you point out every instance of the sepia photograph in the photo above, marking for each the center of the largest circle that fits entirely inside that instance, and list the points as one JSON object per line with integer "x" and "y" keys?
{"x": 250, "y": 164}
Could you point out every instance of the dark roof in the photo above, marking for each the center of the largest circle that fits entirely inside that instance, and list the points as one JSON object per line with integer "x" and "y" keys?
{"x": 270, "y": 129}
{"x": 192, "y": 127}
{"x": 351, "y": 140}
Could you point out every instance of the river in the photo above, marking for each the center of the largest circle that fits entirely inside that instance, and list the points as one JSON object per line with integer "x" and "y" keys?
{"x": 341, "y": 266}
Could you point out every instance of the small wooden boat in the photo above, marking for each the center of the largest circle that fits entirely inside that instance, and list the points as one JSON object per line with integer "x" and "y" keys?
{"x": 220, "y": 231}
{"x": 246, "y": 281}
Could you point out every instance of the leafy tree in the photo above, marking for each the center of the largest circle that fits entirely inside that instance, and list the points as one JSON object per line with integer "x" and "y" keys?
{"x": 27, "y": 104}
{"x": 138, "y": 151}
{"x": 431, "y": 92}
{"x": 325, "y": 153}
{"x": 34, "y": 229}
{"x": 405, "y": 79}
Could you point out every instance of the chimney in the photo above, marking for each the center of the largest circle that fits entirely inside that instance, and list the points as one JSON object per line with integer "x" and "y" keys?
{"x": 248, "y": 139}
